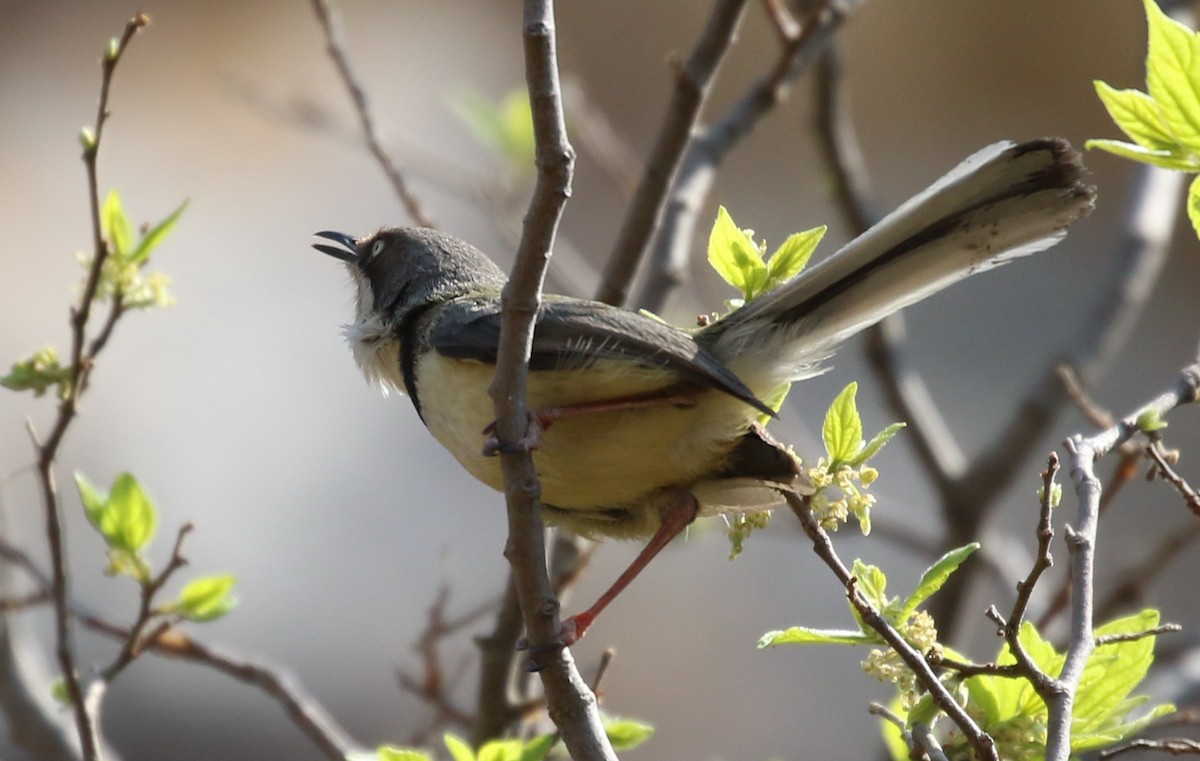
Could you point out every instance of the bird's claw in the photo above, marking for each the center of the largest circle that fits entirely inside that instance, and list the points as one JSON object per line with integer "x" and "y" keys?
{"x": 530, "y": 441}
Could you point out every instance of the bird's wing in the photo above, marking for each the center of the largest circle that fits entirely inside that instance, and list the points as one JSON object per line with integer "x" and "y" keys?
{"x": 573, "y": 334}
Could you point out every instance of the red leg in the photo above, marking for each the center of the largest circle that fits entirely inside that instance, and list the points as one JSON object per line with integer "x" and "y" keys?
{"x": 541, "y": 419}
{"x": 674, "y": 522}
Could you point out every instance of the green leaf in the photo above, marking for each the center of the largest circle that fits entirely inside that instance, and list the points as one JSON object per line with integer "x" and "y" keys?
{"x": 875, "y": 444}
{"x": 538, "y": 748}
{"x": 1137, "y": 115}
{"x": 1113, "y": 671}
{"x": 1164, "y": 159}
{"x": 803, "y": 635}
{"x": 517, "y": 117}
{"x": 155, "y": 235}
{"x": 500, "y": 750}
{"x": 1193, "y": 204}
{"x": 626, "y": 734}
{"x": 37, "y": 373}
{"x": 506, "y": 128}
{"x": 1171, "y": 75}
{"x": 58, "y": 691}
{"x": 735, "y": 257}
{"x": 392, "y": 753}
{"x": 1151, "y": 420}
{"x": 207, "y": 598}
{"x": 94, "y": 501}
{"x": 791, "y": 257}
{"x": 872, "y": 582}
{"x": 842, "y": 430}
{"x": 115, "y": 225}
{"x": 459, "y": 750}
{"x": 935, "y": 576}
{"x": 129, "y": 520}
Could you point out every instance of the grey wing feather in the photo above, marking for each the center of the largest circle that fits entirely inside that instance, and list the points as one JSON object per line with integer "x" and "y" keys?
{"x": 573, "y": 334}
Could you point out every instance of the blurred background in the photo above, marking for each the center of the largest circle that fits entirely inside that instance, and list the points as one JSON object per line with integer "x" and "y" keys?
{"x": 241, "y": 410}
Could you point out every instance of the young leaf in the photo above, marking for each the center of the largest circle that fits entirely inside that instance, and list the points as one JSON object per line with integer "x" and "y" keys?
{"x": 155, "y": 235}
{"x": 115, "y": 225}
{"x": 803, "y": 635}
{"x": 1137, "y": 115}
{"x": 935, "y": 576}
{"x": 517, "y": 118}
{"x": 791, "y": 257}
{"x": 1113, "y": 671}
{"x": 37, "y": 373}
{"x": 842, "y": 430}
{"x": 1171, "y": 76}
{"x": 872, "y": 582}
{"x": 626, "y": 734}
{"x": 459, "y": 750}
{"x": 537, "y": 748}
{"x": 392, "y": 753}
{"x": 734, "y": 256}
{"x": 94, "y": 501}
{"x": 1166, "y": 159}
{"x": 1193, "y": 204}
{"x": 876, "y": 443}
{"x": 207, "y": 598}
{"x": 129, "y": 520}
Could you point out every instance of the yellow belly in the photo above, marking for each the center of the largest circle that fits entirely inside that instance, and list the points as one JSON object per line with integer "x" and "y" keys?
{"x": 593, "y": 462}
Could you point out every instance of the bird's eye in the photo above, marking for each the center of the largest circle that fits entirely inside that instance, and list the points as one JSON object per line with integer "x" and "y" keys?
{"x": 377, "y": 247}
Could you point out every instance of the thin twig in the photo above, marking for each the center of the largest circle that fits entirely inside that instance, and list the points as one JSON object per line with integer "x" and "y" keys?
{"x": 494, "y": 709}
{"x": 692, "y": 84}
{"x": 81, "y": 365}
{"x": 981, "y": 743}
{"x": 1112, "y": 639}
{"x": 330, "y": 25}
{"x": 1164, "y": 468}
{"x": 1176, "y": 746}
{"x": 1081, "y": 543}
{"x": 304, "y": 711}
{"x": 697, "y": 172}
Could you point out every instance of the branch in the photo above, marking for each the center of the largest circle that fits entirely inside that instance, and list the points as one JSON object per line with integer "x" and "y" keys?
{"x": 699, "y": 166}
{"x": 304, "y": 711}
{"x": 327, "y": 16}
{"x": 81, "y": 365}
{"x": 1081, "y": 543}
{"x": 982, "y": 743}
{"x": 571, "y": 704}
{"x": 692, "y": 84}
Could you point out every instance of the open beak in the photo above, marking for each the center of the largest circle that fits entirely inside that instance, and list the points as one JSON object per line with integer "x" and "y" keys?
{"x": 348, "y": 252}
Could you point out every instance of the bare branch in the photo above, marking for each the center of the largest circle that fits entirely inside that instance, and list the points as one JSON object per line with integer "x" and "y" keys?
{"x": 683, "y": 112}
{"x": 1164, "y": 468}
{"x": 571, "y": 704}
{"x": 327, "y": 16}
{"x": 1176, "y": 746}
{"x": 1081, "y": 543}
{"x": 699, "y": 165}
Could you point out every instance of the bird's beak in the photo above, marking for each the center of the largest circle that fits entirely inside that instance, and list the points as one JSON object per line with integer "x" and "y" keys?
{"x": 347, "y": 253}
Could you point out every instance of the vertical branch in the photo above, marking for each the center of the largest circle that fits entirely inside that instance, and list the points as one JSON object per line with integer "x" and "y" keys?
{"x": 683, "y": 114}
{"x": 572, "y": 705}
{"x": 81, "y": 365}
{"x": 1081, "y": 542}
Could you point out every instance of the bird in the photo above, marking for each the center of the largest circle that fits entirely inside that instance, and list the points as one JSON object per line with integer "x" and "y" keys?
{"x": 636, "y": 426}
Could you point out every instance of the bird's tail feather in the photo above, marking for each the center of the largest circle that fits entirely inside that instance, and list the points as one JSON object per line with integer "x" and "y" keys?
{"x": 1004, "y": 202}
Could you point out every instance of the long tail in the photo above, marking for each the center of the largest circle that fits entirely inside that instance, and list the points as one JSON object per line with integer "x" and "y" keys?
{"x": 1004, "y": 202}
